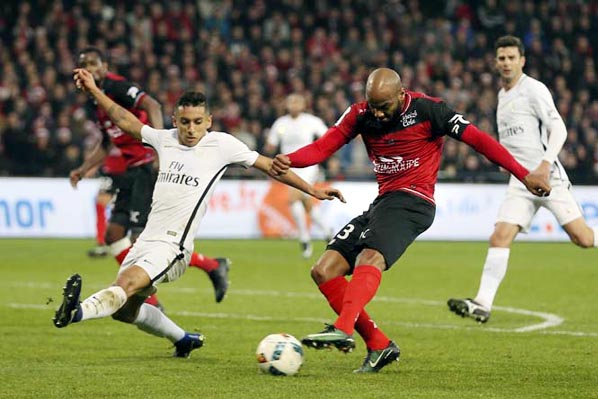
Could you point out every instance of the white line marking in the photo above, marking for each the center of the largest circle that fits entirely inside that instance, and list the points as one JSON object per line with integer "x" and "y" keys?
{"x": 549, "y": 320}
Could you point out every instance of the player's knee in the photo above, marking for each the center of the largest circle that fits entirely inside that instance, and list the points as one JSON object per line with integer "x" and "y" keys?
{"x": 113, "y": 236}
{"x": 125, "y": 315}
{"x": 584, "y": 240}
{"x": 321, "y": 272}
{"x": 318, "y": 274}
{"x": 500, "y": 240}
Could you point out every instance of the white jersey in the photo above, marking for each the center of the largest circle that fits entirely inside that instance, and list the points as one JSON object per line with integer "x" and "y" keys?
{"x": 522, "y": 115}
{"x": 186, "y": 181}
{"x": 293, "y": 133}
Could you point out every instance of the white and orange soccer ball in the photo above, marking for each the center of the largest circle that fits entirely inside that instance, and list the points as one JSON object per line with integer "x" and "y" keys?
{"x": 280, "y": 354}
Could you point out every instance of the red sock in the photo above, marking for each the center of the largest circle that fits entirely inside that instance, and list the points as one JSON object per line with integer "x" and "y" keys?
{"x": 334, "y": 291}
{"x": 152, "y": 300}
{"x": 360, "y": 290}
{"x": 100, "y": 223}
{"x": 122, "y": 255}
{"x": 203, "y": 262}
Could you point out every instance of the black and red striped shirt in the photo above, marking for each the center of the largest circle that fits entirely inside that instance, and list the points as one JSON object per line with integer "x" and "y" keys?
{"x": 127, "y": 95}
{"x": 406, "y": 150}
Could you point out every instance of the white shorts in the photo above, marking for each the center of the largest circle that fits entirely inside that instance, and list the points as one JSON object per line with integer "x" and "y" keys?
{"x": 309, "y": 174}
{"x": 156, "y": 258}
{"x": 520, "y": 206}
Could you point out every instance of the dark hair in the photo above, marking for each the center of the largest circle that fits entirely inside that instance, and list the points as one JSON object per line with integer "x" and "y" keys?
{"x": 509, "y": 41}
{"x": 192, "y": 99}
{"x": 95, "y": 50}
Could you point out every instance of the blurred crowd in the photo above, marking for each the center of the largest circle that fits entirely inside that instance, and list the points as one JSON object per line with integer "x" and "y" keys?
{"x": 247, "y": 56}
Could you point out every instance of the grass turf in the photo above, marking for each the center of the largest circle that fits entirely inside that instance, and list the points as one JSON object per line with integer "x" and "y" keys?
{"x": 443, "y": 356}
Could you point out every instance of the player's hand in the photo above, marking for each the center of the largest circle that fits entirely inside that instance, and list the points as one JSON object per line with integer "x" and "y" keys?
{"x": 280, "y": 165}
{"x": 537, "y": 184}
{"x": 75, "y": 176}
{"x": 83, "y": 79}
{"x": 328, "y": 193}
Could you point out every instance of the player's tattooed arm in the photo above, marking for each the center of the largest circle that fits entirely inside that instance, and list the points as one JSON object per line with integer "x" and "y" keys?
{"x": 125, "y": 120}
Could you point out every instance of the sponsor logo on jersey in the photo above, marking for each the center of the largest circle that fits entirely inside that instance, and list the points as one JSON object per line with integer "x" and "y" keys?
{"x": 394, "y": 164}
{"x": 509, "y": 131}
{"x": 178, "y": 178}
{"x": 409, "y": 119}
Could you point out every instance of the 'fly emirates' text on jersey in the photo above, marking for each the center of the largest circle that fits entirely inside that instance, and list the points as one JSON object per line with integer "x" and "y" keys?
{"x": 522, "y": 115}
{"x": 186, "y": 181}
{"x": 128, "y": 96}
{"x": 406, "y": 150}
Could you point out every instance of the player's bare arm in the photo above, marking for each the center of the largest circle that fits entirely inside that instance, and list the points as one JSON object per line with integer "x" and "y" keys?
{"x": 289, "y": 178}
{"x": 482, "y": 142}
{"x": 154, "y": 111}
{"x": 95, "y": 159}
{"x": 122, "y": 118}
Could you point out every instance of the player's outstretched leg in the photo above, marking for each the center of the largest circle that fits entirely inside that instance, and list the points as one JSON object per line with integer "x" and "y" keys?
{"x": 71, "y": 294}
{"x": 376, "y": 360}
{"x": 329, "y": 337}
{"x": 469, "y": 308}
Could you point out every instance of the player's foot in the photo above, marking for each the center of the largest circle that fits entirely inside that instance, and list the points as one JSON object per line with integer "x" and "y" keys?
{"x": 469, "y": 308}
{"x": 375, "y": 360}
{"x": 219, "y": 278}
{"x": 331, "y": 336}
{"x": 98, "y": 252}
{"x": 184, "y": 346}
{"x": 306, "y": 249}
{"x": 70, "y": 302}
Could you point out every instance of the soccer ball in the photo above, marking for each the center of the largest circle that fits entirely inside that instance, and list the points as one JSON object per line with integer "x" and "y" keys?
{"x": 279, "y": 354}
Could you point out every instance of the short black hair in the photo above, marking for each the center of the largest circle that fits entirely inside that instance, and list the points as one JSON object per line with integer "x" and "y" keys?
{"x": 192, "y": 99}
{"x": 509, "y": 41}
{"x": 95, "y": 50}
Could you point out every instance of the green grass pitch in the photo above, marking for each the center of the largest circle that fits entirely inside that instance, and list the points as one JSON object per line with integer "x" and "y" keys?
{"x": 541, "y": 341}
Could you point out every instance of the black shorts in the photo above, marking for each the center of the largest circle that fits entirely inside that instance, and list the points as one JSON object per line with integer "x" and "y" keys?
{"x": 109, "y": 183}
{"x": 390, "y": 225}
{"x": 134, "y": 196}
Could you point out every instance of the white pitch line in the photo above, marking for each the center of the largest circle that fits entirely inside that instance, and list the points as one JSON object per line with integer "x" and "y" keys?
{"x": 549, "y": 320}
{"x": 251, "y": 317}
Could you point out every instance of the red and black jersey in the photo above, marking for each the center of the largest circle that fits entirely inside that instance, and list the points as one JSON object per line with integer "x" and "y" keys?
{"x": 127, "y": 95}
{"x": 114, "y": 163}
{"x": 406, "y": 150}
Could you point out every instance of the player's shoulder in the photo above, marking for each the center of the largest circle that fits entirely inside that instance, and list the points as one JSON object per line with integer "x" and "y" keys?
{"x": 165, "y": 134}
{"x": 111, "y": 76}
{"x": 310, "y": 117}
{"x": 282, "y": 119}
{"x": 114, "y": 81}
{"x": 423, "y": 105}
{"x": 220, "y": 137}
{"x": 422, "y": 97}
{"x": 532, "y": 85}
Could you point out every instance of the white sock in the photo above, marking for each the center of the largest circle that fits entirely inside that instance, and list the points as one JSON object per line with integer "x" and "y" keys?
{"x": 495, "y": 269}
{"x": 298, "y": 212}
{"x": 118, "y": 246}
{"x": 595, "y": 230}
{"x": 153, "y": 321}
{"x": 316, "y": 218}
{"x": 103, "y": 303}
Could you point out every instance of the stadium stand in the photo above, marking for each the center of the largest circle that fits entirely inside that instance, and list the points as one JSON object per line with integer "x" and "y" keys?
{"x": 248, "y": 58}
